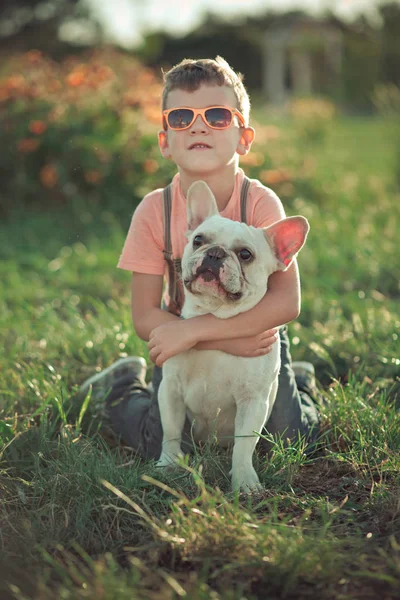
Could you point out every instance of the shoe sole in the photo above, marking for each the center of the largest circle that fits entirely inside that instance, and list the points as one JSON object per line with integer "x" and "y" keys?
{"x": 123, "y": 366}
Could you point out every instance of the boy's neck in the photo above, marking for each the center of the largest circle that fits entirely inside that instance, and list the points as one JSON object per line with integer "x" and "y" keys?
{"x": 220, "y": 183}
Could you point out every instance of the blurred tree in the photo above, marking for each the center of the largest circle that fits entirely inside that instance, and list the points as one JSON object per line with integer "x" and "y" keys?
{"x": 390, "y": 40}
{"x": 240, "y": 41}
{"x": 371, "y": 51}
{"x": 237, "y": 41}
{"x": 361, "y": 65}
{"x": 16, "y": 14}
{"x": 27, "y": 24}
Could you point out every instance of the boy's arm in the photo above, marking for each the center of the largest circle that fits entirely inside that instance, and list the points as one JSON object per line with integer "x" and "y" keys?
{"x": 147, "y": 314}
{"x": 280, "y": 305}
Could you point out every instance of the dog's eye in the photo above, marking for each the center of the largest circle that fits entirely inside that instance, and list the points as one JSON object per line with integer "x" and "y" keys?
{"x": 197, "y": 241}
{"x": 245, "y": 254}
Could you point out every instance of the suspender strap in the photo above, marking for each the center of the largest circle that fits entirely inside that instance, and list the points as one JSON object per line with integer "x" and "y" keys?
{"x": 243, "y": 199}
{"x": 167, "y": 204}
{"x": 175, "y": 286}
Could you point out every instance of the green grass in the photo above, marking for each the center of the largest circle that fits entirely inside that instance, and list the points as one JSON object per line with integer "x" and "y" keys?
{"x": 81, "y": 518}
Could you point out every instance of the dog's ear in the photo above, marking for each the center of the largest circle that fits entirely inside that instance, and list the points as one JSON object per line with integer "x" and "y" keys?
{"x": 287, "y": 238}
{"x": 201, "y": 204}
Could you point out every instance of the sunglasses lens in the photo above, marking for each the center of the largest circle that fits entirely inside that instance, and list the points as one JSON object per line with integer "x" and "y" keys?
{"x": 219, "y": 117}
{"x": 180, "y": 118}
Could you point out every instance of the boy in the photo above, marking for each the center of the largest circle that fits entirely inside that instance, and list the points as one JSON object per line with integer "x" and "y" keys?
{"x": 205, "y": 130}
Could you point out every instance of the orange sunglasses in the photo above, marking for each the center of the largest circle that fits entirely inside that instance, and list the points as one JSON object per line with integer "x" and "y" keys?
{"x": 216, "y": 117}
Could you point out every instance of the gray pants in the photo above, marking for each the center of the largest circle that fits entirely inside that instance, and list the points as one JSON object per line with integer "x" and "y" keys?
{"x": 135, "y": 416}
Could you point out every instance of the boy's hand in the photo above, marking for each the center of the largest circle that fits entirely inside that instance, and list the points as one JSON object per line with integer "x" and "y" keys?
{"x": 251, "y": 346}
{"x": 170, "y": 339}
{"x": 174, "y": 337}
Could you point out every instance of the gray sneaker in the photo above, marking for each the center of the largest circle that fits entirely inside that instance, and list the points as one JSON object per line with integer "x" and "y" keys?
{"x": 103, "y": 381}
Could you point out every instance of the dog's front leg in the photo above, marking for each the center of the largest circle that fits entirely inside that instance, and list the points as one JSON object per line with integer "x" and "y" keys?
{"x": 250, "y": 417}
{"x": 172, "y": 412}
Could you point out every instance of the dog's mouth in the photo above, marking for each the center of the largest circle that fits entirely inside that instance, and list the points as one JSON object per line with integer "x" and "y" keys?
{"x": 204, "y": 272}
{"x": 208, "y": 275}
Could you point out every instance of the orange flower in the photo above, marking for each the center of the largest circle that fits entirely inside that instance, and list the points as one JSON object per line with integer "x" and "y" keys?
{"x": 105, "y": 73}
{"x": 48, "y": 176}
{"x": 15, "y": 82}
{"x": 28, "y": 145}
{"x": 76, "y": 78}
{"x": 132, "y": 97}
{"x": 93, "y": 176}
{"x": 152, "y": 114}
{"x": 146, "y": 77}
{"x": 34, "y": 56}
{"x": 267, "y": 133}
{"x": 150, "y": 165}
{"x": 274, "y": 176}
{"x": 252, "y": 159}
{"x": 37, "y": 127}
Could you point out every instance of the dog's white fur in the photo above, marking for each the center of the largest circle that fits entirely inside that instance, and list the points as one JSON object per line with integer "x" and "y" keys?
{"x": 227, "y": 395}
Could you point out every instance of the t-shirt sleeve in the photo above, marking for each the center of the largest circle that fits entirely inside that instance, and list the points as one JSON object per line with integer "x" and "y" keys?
{"x": 268, "y": 208}
{"x": 143, "y": 248}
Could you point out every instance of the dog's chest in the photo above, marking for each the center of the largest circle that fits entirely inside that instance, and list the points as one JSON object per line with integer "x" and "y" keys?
{"x": 213, "y": 382}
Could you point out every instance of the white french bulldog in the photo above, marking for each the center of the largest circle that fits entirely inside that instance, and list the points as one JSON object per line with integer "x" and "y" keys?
{"x": 225, "y": 270}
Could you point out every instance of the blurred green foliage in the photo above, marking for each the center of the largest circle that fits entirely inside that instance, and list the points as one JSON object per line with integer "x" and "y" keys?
{"x": 79, "y": 132}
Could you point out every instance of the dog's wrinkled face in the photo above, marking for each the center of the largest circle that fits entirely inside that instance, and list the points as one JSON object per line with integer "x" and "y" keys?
{"x": 228, "y": 263}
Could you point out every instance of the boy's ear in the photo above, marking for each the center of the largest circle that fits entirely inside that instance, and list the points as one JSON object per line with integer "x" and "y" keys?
{"x": 246, "y": 139}
{"x": 163, "y": 144}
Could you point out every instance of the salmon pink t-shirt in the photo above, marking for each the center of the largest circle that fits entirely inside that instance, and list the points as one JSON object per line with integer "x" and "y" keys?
{"x": 144, "y": 244}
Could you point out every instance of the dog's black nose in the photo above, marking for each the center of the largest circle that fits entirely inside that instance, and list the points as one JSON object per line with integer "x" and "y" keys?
{"x": 216, "y": 253}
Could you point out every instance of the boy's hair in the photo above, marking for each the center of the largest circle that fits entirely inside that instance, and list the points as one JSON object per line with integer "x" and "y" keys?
{"x": 190, "y": 74}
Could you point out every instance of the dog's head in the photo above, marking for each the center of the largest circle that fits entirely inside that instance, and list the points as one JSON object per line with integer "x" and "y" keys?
{"x": 226, "y": 264}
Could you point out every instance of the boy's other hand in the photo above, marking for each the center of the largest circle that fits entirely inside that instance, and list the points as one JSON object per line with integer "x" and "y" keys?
{"x": 251, "y": 346}
{"x": 170, "y": 339}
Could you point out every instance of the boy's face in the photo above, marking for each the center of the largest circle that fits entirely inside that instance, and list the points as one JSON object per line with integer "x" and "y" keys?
{"x": 221, "y": 145}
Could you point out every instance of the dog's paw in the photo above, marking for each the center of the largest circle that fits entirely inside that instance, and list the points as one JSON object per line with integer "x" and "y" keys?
{"x": 246, "y": 481}
{"x": 168, "y": 461}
